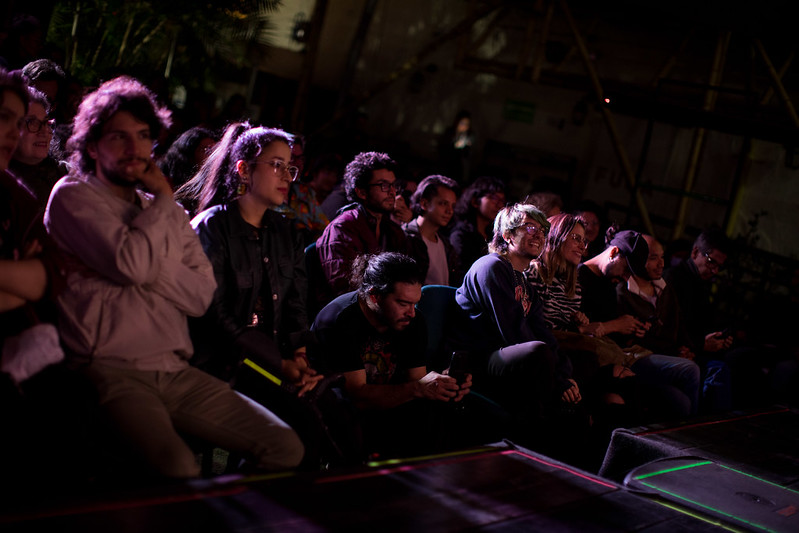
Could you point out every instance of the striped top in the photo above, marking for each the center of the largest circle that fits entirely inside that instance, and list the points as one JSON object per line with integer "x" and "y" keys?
{"x": 558, "y": 308}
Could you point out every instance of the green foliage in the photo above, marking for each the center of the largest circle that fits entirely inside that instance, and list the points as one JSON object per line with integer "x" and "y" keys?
{"x": 189, "y": 40}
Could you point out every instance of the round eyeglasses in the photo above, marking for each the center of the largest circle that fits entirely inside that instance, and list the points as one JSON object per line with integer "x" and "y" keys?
{"x": 533, "y": 229}
{"x": 579, "y": 239}
{"x": 34, "y": 125}
{"x": 280, "y": 168}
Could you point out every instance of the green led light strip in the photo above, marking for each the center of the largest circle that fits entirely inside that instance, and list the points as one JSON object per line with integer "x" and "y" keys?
{"x": 674, "y": 469}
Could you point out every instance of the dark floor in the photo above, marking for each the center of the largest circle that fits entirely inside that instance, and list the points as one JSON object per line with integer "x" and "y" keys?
{"x": 735, "y": 473}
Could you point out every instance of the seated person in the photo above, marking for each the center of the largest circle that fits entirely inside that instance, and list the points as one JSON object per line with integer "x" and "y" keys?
{"x": 555, "y": 275}
{"x": 303, "y": 207}
{"x": 377, "y": 339}
{"x": 758, "y": 374}
{"x": 593, "y": 216}
{"x": 475, "y": 212}
{"x": 31, "y": 163}
{"x": 433, "y": 204}
{"x": 515, "y": 360}
{"x": 201, "y": 192}
{"x": 652, "y": 301}
{"x": 186, "y": 155}
{"x": 365, "y": 227}
{"x": 603, "y": 370}
{"x": 258, "y": 314}
{"x": 135, "y": 271}
{"x": 548, "y": 202}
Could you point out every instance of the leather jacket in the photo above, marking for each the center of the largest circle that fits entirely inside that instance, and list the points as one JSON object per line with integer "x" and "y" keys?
{"x": 243, "y": 257}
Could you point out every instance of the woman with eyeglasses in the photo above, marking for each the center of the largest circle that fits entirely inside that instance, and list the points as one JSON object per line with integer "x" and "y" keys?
{"x": 256, "y": 330}
{"x": 30, "y": 162}
{"x": 610, "y": 386}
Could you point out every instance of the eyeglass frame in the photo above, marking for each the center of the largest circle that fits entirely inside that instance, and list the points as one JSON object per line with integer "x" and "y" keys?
{"x": 277, "y": 165}
{"x": 712, "y": 263}
{"x": 50, "y": 123}
{"x": 537, "y": 230}
{"x": 576, "y": 237}
{"x": 385, "y": 186}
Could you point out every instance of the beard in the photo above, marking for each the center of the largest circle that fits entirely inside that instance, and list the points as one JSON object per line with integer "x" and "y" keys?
{"x": 122, "y": 179}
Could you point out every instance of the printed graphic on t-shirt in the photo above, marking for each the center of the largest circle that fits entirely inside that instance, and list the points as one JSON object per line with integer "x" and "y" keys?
{"x": 521, "y": 296}
{"x": 378, "y": 362}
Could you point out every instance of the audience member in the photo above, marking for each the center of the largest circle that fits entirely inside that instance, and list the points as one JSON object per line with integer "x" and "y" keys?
{"x": 365, "y": 226}
{"x": 187, "y": 154}
{"x": 433, "y": 204}
{"x": 48, "y": 77}
{"x": 136, "y": 271}
{"x": 335, "y": 201}
{"x": 605, "y": 375}
{"x": 652, "y": 301}
{"x": 753, "y": 368}
{"x": 303, "y": 207}
{"x": 515, "y": 360}
{"x": 29, "y": 342}
{"x": 27, "y": 266}
{"x": 258, "y": 315}
{"x": 593, "y": 217}
{"x": 204, "y": 190}
{"x": 402, "y": 213}
{"x": 377, "y": 339}
{"x": 298, "y": 155}
{"x": 31, "y": 163}
{"x": 549, "y": 203}
{"x": 476, "y": 210}
{"x": 691, "y": 280}
{"x": 671, "y": 384}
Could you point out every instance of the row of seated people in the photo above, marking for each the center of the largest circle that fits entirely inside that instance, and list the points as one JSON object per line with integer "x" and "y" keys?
{"x": 147, "y": 312}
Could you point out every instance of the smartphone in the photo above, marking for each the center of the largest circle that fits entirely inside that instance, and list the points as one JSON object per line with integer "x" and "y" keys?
{"x": 459, "y": 366}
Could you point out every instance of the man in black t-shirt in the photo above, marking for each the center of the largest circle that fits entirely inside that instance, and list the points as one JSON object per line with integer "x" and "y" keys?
{"x": 375, "y": 337}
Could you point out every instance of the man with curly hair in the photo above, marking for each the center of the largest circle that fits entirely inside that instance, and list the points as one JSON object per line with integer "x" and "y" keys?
{"x": 135, "y": 271}
{"x": 364, "y": 226}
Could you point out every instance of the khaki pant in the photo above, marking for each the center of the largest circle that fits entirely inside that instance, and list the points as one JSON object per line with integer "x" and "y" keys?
{"x": 148, "y": 408}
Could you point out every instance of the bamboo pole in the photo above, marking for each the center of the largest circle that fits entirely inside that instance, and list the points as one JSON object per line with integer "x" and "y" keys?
{"x": 775, "y": 78}
{"x": 124, "y": 41}
{"x": 781, "y": 73}
{"x": 699, "y": 135}
{"x": 354, "y": 54}
{"x": 621, "y": 153}
{"x": 526, "y": 48}
{"x": 672, "y": 60}
{"x": 411, "y": 63}
{"x": 538, "y": 60}
{"x": 304, "y": 88}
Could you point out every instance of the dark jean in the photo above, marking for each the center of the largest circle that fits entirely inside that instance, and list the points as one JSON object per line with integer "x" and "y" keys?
{"x": 674, "y": 381}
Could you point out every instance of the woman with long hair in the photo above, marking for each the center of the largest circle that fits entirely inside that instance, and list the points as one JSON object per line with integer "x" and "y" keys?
{"x": 610, "y": 386}
{"x": 257, "y": 324}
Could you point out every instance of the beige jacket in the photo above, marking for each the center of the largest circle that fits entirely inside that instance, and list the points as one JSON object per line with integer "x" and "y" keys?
{"x": 133, "y": 275}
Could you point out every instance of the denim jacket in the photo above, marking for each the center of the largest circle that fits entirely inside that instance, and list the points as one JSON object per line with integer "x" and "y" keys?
{"x": 242, "y": 257}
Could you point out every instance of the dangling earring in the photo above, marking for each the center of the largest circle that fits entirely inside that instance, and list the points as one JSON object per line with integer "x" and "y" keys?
{"x": 241, "y": 189}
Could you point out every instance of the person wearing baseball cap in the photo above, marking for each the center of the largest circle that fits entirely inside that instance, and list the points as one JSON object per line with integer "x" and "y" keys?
{"x": 675, "y": 380}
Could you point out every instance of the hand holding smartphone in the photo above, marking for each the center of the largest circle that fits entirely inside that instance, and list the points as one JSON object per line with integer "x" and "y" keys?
{"x": 459, "y": 366}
